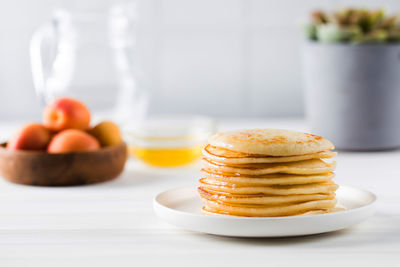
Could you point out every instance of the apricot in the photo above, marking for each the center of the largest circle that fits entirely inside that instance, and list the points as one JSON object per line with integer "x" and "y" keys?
{"x": 32, "y": 136}
{"x": 107, "y": 133}
{"x": 72, "y": 140}
{"x": 65, "y": 113}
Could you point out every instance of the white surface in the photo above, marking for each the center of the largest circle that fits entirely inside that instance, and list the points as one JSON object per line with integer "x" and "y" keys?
{"x": 181, "y": 207}
{"x": 113, "y": 224}
{"x": 192, "y": 53}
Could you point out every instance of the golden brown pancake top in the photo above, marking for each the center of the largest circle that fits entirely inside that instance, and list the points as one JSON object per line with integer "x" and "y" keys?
{"x": 271, "y": 142}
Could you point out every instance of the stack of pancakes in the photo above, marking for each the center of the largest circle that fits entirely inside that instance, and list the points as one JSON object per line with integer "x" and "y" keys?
{"x": 267, "y": 172}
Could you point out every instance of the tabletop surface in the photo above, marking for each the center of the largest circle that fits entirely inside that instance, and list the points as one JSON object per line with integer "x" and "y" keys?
{"x": 113, "y": 223}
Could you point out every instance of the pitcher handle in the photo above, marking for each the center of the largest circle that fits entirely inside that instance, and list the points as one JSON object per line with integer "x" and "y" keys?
{"x": 42, "y": 53}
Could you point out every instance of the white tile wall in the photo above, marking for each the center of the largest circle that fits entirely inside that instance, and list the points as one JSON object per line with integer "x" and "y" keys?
{"x": 210, "y": 15}
{"x": 216, "y": 57}
{"x": 201, "y": 71}
{"x": 274, "y": 74}
{"x": 18, "y": 20}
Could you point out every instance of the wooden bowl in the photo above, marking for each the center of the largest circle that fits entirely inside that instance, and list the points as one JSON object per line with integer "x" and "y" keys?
{"x": 64, "y": 169}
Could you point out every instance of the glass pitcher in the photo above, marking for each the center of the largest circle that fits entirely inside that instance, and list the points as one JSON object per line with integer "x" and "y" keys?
{"x": 88, "y": 56}
{"x": 93, "y": 57}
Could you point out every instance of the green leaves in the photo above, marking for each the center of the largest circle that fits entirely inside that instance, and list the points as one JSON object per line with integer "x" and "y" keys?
{"x": 353, "y": 26}
{"x": 330, "y": 33}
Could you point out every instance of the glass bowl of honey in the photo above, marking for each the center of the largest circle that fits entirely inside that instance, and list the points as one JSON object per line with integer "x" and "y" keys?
{"x": 169, "y": 141}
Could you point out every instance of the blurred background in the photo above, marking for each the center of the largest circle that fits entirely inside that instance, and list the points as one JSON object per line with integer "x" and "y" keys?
{"x": 225, "y": 58}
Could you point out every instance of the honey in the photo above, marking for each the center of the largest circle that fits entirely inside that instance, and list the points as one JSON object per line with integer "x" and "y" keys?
{"x": 167, "y": 156}
{"x": 169, "y": 140}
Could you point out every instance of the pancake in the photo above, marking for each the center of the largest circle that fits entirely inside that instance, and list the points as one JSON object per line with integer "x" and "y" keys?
{"x": 222, "y": 155}
{"x": 261, "y": 200}
{"x": 268, "y": 211}
{"x": 271, "y": 142}
{"x": 316, "y": 188}
{"x": 307, "y": 213}
{"x": 311, "y": 166}
{"x": 267, "y": 172}
{"x": 270, "y": 179}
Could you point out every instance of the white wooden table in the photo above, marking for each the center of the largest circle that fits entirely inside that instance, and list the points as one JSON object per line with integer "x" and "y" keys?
{"x": 113, "y": 224}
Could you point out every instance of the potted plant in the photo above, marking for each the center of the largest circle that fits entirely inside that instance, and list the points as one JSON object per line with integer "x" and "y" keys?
{"x": 352, "y": 78}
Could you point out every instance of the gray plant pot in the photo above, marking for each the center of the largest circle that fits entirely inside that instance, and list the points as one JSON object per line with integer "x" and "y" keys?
{"x": 353, "y": 94}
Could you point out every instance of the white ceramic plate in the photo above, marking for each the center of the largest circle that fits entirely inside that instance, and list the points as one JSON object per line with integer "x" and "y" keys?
{"x": 181, "y": 207}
